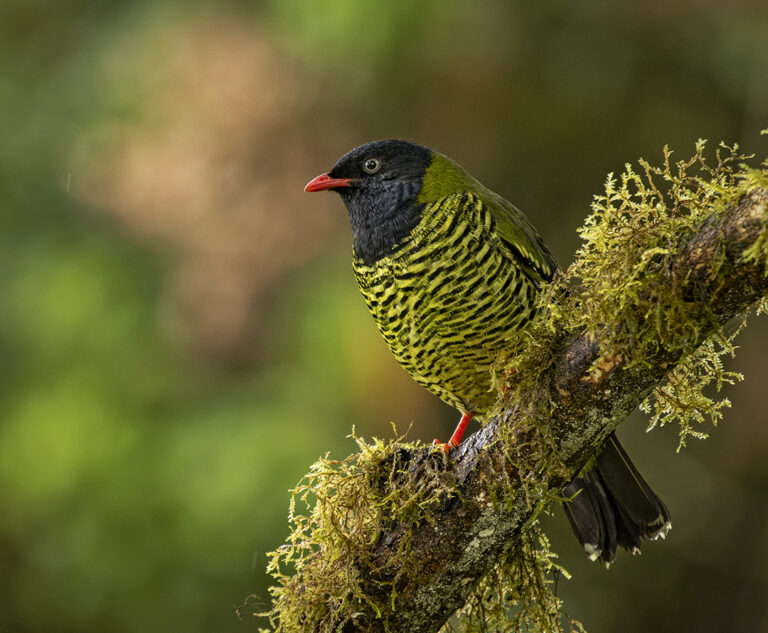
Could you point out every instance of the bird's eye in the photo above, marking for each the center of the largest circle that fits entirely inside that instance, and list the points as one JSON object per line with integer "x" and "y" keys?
{"x": 371, "y": 165}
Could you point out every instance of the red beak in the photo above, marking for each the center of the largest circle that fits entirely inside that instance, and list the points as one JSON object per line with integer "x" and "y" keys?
{"x": 324, "y": 181}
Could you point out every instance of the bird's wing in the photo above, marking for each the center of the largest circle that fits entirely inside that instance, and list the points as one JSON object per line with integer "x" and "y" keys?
{"x": 520, "y": 238}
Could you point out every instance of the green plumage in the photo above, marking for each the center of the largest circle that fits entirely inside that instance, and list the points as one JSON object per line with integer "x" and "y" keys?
{"x": 453, "y": 295}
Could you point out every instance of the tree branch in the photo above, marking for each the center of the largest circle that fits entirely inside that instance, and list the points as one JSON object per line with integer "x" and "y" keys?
{"x": 463, "y": 539}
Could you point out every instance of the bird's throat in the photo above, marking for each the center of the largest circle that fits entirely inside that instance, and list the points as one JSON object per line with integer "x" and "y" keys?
{"x": 378, "y": 226}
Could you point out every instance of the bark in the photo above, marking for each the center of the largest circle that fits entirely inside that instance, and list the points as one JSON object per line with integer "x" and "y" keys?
{"x": 464, "y": 539}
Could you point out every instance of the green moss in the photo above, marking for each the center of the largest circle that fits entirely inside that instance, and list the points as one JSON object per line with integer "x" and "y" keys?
{"x": 633, "y": 303}
{"x": 758, "y": 251}
{"x": 624, "y": 294}
{"x": 337, "y": 513}
{"x": 518, "y": 594}
{"x": 622, "y": 290}
{"x": 682, "y": 398}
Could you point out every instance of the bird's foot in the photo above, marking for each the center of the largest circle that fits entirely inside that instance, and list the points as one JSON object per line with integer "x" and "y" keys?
{"x": 447, "y": 446}
{"x": 455, "y": 440}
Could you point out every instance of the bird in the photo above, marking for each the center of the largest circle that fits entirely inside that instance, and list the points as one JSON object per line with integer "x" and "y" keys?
{"x": 450, "y": 272}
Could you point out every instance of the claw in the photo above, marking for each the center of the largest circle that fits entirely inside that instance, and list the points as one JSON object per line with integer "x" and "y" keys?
{"x": 445, "y": 446}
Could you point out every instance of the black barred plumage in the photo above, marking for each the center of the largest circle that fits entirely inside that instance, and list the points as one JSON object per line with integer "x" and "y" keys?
{"x": 440, "y": 302}
{"x": 451, "y": 272}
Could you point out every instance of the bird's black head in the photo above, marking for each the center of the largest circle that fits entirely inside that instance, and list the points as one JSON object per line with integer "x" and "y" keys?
{"x": 379, "y": 183}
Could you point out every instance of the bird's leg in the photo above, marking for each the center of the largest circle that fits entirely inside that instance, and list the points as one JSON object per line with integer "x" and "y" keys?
{"x": 455, "y": 440}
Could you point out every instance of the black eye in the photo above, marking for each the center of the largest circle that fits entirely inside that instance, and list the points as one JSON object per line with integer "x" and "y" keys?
{"x": 371, "y": 165}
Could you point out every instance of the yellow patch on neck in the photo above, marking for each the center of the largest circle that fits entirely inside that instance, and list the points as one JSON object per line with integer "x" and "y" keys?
{"x": 443, "y": 178}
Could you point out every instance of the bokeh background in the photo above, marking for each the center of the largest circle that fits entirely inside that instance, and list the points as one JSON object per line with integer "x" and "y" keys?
{"x": 180, "y": 331}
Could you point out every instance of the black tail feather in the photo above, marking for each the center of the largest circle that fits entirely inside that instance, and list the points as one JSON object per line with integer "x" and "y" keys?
{"x": 612, "y": 506}
{"x": 591, "y": 516}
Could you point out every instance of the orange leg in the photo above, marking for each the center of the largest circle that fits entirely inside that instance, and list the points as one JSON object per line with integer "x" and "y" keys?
{"x": 455, "y": 440}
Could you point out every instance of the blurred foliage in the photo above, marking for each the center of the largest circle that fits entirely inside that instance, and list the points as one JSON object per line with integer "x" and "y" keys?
{"x": 180, "y": 329}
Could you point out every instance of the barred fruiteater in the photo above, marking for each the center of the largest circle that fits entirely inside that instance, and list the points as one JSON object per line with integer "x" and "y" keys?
{"x": 450, "y": 272}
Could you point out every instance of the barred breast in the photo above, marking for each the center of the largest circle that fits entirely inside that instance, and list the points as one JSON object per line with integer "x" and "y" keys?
{"x": 450, "y": 300}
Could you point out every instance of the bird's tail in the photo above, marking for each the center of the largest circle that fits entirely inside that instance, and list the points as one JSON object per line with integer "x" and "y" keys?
{"x": 612, "y": 505}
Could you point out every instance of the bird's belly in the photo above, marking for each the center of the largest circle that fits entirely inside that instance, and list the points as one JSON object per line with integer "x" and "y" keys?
{"x": 448, "y": 323}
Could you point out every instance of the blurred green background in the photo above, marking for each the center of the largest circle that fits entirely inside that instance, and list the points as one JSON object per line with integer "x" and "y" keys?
{"x": 180, "y": 329}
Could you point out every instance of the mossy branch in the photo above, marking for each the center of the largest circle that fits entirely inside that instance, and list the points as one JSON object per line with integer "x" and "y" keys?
{"x": 398, "y": 538}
